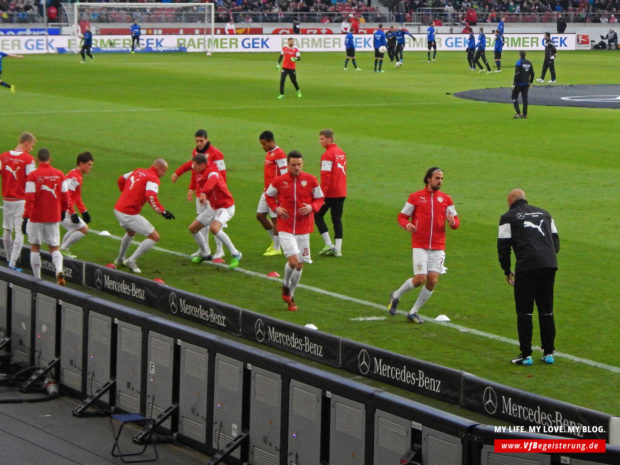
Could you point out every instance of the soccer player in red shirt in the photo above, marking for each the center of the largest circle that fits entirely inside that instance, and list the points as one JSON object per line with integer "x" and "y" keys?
{"x": 212, "y": 191}
{"x": 295, "y": 197}
{"x": 425, "y": 215}
{"x": 291, "y": 55}
{"x": 15, "y": 166}
{"x": 334, "y": 187}
{"x": 275, "y": 165}
{"x": 76, "y": 227}
{"x": 46, "y": 202}
{"x": 203, "y": 145}
{"x": 138, "y": 187}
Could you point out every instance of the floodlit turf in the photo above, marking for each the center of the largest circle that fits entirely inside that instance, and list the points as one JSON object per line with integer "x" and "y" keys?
{"x": 131, "y": 109}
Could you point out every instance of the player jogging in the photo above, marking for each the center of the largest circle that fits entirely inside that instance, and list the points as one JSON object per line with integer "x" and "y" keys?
{"x": 430, "y": 42}
{"x": 212, "y": 191}
{"x": 46, "y": 202}
{"x": 289, "y": 56}
{"x": 471, "y": 50}
{"x": 15, "y": 166}
{"x": 76, "y": 227}
{"x": 135, "y": 36}
{"x": 497, "y": 48}
{"x": 481, "y": 52}
{"x": 524, "y": 76}
{"x": 425, "y": 215}
{"x": 378, "y": 41}
{"x": 87, "y": 43}
{"x": 2, "y": 83}
{"x": 203, "y": 145}
{"x": 295, "y": 197}
{"x": 349, "y": 45}
{"x": 275, "y": 165}
{"x": 137, "y": 188}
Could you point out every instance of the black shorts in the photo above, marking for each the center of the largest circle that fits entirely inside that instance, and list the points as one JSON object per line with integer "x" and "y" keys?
{"x": 350, "y": 53}
{"x": 378, "y": 54}
{"x": 432, "y": 44}
{"x": 498, "y": 55}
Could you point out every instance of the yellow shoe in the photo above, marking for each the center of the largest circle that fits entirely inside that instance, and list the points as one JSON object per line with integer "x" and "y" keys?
{"x": 271, "y": 251}
{"x": 13, "y": 88}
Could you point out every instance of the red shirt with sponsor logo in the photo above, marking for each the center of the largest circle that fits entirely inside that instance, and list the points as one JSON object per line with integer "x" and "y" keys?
{"x": 288, "y": 53}
{"x": 334, "y": 172}
{"x": 275, "y": 164}
{"x": 213, "y": 156}
{"x": 213, "y": 185}
{"x": 427, "y": 211}
{"x": 46, "y": 194}
{"x": 74, "y": 187}
{"x": 138, "y": 187}
{"x": 292, "y": 193}
{"x": 15, "y": 168}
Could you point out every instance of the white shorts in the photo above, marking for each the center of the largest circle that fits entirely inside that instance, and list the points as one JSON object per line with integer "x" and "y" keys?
{"x": 264, "y": 208}
{"x": 70, "y": 225}
{"x": 43, "y": 233}
{"x": 13, "y": 213}
{"x": 222, "y": 215}
{"x": 200, "y": 207}
{"x": 293, "y": 244}
{"x": 136, "y": 223}
{"x": 425, "y": 260}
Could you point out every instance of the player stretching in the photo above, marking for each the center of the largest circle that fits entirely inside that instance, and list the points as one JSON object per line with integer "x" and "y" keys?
{"x": 275, "y": 165}
{"x": 425, "y": 215}
{"x": 2, "y": 83}
{"x": 291, "y": 56}
{"x": 15, "y": 166}
{"x": 138, "y": 187}
{"x": 46, "y": 202}
{"x": 211, "y": 190}
{"x": 203, "y": 145}
{"x": 379, "y": 40}
{"x": 295, "y": 197}
{"x": 76, "y": 227}
{"x": 430, "y": 42}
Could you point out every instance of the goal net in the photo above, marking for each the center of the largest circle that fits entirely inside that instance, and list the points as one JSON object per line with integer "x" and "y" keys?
{"x": 115, "y": 19}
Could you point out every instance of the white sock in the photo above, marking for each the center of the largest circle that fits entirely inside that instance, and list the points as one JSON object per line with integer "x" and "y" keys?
{"x": 423, "y": 296}
{"x": 205, "y": 234}
{"x": 71, "y": 238}
{"x": 219, "y": 250}
{"x": 125, "y": 243}
{"x": 16, "y": 249}
{"x": 270, "y": 232}
{"x": 144, "y": 247}
{"x": 8, "y": 244}
{"x": 57, "y": 261}
{"x": 224, "y": 239}
{"x": 338, "y": 245}
{"x": 406, "y": 286}
{"x": 288, "y": 271}
{"x": 35, "y": 264}
{"x": 328, "y": 241}
{"x": 276, "y": 241}
{"x": 295, "y": 277}
{"x": 202, "y": 243}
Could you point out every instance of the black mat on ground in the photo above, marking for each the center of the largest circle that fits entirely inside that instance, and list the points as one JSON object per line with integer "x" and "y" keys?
{"x": 603, "y": 96}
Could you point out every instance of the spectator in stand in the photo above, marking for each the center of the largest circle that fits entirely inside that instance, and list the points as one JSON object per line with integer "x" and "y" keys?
{"x": 230, "y": 27}
{"x": 561, "y": 24}
{"x": 344, "y": 26}
{"x": 471, "y": 17}
{"x": 612, "y": 40}
{"x": 355, "y": 24}
{"x": 613, "y": 19}
{"x": 296, "y": 27}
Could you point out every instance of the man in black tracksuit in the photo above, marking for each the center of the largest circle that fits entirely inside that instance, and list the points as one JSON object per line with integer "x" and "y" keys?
{"x": 391, "y": 43}
{"x": 531, "y": 233}
{"x": 524, "y": 76}
{"x": 549, "y": 62}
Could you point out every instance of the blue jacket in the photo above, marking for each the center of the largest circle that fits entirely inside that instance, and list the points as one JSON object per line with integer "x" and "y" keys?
{"x": 482, "y": 42}
{"x": 349, "y": 41}
{"x": 378, "y": 39}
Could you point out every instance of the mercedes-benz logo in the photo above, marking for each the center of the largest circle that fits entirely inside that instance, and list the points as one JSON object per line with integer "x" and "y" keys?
{"x": 98, "y": 279}
{"x": 363, "y": 362}
{"x": 173, "y": 303}
{"x": 520, "y": 216}
{"x": 489, "y": 400}
{"x": 259, "y": 330}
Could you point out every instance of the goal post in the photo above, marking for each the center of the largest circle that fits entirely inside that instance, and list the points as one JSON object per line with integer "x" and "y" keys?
{"x": 194, "y": 18}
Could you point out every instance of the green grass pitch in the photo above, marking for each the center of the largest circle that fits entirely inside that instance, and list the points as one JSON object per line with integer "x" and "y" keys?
{"x": 131, "y": 109}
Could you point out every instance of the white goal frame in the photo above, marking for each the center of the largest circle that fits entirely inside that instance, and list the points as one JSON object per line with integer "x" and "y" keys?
{"x": 134, "y": 9}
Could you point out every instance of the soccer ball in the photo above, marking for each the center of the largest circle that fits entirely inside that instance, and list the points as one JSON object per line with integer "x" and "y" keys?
{"x": 208, "y": 54}
{"x": 397, "y": 65}
{"x": 382, "y": 49}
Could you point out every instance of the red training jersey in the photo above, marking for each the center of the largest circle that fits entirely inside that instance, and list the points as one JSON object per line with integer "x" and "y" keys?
{"x": 275, "y": 165}
{"x": 74, "y": 187}
{"x": 291, "y": 193}
{"x": 334, "y": 172}
{"x": 15, "y": 168}
{"x": 213, "y": 156}
{"x": 46, "y": 195}
{"x": 213, "y": 184}
{"x": 288, "y": 53}
{"x": 138, "y": 187}
{"x": 427, "y": 211}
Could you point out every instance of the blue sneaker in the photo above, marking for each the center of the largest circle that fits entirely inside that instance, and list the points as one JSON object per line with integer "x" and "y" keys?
{"x": 393, "y": 304}
{"x": 521, "y": 360}
{"x": 415, "y": 318}
{"x": 14, "y": 268}
{"x": 548, "y": 359}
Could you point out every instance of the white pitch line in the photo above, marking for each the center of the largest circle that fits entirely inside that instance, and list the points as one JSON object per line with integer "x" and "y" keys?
{"x": 366, "y": 303}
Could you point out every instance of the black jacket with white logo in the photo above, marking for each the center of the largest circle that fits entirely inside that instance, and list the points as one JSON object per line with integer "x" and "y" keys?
{"x": 531, "y": 232}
